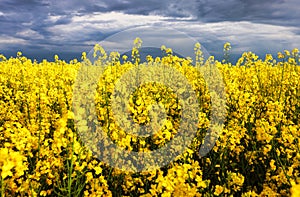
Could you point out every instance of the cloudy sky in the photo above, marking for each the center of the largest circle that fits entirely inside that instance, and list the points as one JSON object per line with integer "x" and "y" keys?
{"x": 42, "y": 28}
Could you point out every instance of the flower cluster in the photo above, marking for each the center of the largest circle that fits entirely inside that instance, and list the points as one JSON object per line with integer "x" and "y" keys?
{"x": 42, "y": 152}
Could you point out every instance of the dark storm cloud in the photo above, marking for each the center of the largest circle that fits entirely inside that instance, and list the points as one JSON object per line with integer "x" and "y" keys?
{"x": 129, "y": 7}
{"x": 47, "y": 24}
{"x": 278, "y": 12}
{"x": 18, "y": 15}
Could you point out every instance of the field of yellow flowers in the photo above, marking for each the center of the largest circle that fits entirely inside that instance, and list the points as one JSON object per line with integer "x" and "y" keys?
{"x": 256, "y": 154}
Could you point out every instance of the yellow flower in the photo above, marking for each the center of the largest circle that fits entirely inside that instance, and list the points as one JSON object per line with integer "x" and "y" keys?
{"x": 6, "y": 169}
{"x": 295, "y": 189}
{"x": 249, "y": 194}
{"x": 227, "y": 46}
{"x": 267, "y": 149}
{"x": 98, "y": 170}
{"x": 89, "y": 176}
{"x": 287, "y": 53}
{"x": 218, "y": 190}
{"x": 273, "y": 167}
{"x": 280, "y": 55}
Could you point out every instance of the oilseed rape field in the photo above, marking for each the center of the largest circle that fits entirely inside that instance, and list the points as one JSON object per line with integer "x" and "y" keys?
{"x": 43, "y": 152}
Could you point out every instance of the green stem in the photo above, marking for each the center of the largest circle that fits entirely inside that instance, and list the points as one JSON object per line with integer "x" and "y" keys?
{"x": 2, "y": 187}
